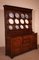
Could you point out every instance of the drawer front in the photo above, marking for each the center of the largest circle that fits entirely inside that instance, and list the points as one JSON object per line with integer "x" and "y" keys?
{"x": 27, "y": 39}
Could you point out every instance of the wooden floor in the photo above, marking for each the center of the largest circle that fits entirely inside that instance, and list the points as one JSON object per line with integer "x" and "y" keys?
{"x": 32, "y": 55}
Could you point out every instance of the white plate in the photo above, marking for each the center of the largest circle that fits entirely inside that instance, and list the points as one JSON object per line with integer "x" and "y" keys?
{"x": 21, "y": 21}
{"x": 26, "y": 16}
{"x": 21, "y": 26}
{"x": 22, "y": 15}
{"x": 17, "y": 15}
{"x": 17, "y": 27}
{"x": 11, "y": 15}
{"x": 10, "y": 27}
{"x": 26, "y": 26}
{"x": 16, "y": 21}
{"x": 11, "y": 21}
{"x": 26, "y": 21}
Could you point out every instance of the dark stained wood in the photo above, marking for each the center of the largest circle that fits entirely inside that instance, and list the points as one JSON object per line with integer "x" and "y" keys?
{"x": 21, "y": 40}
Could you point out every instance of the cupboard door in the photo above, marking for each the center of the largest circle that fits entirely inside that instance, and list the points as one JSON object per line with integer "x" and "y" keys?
{"x": 16, "y": 45}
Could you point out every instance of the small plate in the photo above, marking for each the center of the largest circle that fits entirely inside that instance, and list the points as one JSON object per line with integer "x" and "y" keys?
{"x": 26, "y": 21}
{"x": 10, "y": 27}
{"x": 21, "y": 21}
{"x": 17, "y": 15}
{"x": 16, "y": 21}
{"x": 11, "y": 21}
{"x": 21, "y": 26}
{"x": 26, "y": 16}
{"x": 17, "y": 27}
{"x": 22, "y": 15}
{"x": 26, "y": 26}
{"x": 11, "y": 15}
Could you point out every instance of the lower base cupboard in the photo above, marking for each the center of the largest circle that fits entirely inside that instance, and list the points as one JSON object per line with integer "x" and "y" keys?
{"x": 20, "y": 44}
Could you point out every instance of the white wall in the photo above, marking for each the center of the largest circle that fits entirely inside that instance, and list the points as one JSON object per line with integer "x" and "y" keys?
{"x": 2, "y": 36}
{"x": 34, "y": 4}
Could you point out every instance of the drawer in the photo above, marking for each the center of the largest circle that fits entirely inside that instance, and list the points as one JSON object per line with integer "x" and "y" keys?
{"x": 26, "y": 47}
{"x": 27, "y": 39}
